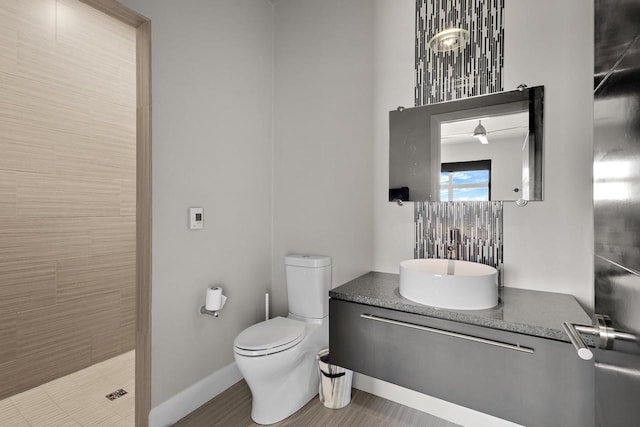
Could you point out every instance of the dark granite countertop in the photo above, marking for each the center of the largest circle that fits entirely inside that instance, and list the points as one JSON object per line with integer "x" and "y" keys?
{"x": 522, "y": 311}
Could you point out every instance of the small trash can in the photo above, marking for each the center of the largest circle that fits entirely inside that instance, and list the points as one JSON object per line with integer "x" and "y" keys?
{"x": 335, "y": 382}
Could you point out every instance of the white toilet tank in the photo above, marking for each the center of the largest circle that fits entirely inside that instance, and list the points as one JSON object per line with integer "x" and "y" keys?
{"x": 308, "y": 284}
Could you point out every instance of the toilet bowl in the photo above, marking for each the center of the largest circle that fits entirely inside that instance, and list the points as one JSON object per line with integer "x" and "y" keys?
{"x": 278, "y": 361}
{"x": 277, "y": 357}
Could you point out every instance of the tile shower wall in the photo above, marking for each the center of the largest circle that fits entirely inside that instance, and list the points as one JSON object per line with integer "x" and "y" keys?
{"x": 474, "y": 70}
{"x": 473, "y": 230}
{"x": 67, "y": 190}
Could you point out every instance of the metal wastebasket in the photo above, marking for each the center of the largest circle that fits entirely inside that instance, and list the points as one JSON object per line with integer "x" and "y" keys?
{"x": 335, "y": 382}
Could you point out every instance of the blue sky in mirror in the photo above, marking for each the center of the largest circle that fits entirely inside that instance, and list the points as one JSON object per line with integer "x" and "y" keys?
{"x": 464, "y": 186}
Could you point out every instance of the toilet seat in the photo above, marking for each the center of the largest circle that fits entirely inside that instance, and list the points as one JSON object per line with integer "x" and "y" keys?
{"x": 268, "y": 337}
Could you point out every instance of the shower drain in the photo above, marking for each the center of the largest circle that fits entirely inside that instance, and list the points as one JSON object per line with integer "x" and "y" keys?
{"x": 116, "y": 394}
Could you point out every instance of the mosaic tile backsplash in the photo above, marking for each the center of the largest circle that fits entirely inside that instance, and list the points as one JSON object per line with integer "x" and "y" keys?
{"x": 475, "y": 69}
{"x": 472, "y": 229}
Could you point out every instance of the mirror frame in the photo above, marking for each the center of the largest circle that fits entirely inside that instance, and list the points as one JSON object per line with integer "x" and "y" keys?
{"x": 422, "y": 164}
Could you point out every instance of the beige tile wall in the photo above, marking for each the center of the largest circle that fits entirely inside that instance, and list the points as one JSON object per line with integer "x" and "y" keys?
{"x": 67, "y": 189}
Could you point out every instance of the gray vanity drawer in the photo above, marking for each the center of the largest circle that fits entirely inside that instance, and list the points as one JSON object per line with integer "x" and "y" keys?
{"x": 527, "y": 380}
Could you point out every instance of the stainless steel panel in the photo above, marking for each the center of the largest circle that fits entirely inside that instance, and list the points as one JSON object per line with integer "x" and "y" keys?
{"x": 617, "y": 206}
{"x": 618, "y": 370}
{"x": 618, "y": 292}
{"x": 617, "y": 164}
{"x": 616, "y": 25}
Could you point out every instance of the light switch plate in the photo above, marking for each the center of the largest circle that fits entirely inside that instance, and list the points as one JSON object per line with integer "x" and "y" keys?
{"x": 196, "y": 218}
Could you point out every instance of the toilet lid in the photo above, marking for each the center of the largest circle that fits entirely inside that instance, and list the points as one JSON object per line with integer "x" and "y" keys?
{"x": 275, "y": 334}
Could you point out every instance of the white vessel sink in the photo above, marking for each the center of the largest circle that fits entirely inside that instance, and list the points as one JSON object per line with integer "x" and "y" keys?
{"x": 458, "y": 285}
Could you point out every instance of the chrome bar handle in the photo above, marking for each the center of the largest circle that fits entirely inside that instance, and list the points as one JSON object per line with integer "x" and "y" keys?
{"x": 574, "y": 336}
{"x": 516, "y": 347}
{"x": 602, "y": 329}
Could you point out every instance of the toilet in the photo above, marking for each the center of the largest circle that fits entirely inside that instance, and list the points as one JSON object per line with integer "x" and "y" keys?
{"x": 277, "y": 357}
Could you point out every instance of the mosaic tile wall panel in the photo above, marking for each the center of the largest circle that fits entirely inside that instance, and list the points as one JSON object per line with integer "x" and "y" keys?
{"x": 473, "y": 70}
{"x": 472, "y": 229}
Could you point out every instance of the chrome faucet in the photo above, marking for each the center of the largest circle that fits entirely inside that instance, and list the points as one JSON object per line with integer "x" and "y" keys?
{"x": 451, "y": 252}
{"x": 452, "y": 246}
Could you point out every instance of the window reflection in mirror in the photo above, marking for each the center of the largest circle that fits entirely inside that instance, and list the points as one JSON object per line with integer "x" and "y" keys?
{"x": 504, "y": 142}
{"x": 465, "y": 181}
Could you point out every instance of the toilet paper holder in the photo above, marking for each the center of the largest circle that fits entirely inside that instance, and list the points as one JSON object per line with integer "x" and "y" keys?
{"x": 203, "y": 310}
{"x": 215, "y": 301}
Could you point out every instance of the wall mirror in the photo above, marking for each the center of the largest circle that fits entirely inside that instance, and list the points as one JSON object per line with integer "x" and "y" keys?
{"x": 481, "y": 148}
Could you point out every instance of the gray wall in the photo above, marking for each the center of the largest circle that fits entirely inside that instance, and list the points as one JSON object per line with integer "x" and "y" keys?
{"x": 212, "y": 95}
{"x": 535, "y": 237}
{"x": 322, "y": 158}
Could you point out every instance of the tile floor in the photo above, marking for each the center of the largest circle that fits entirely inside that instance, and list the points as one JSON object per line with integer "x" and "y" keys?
{"x": 232, "y": 408}
{"x": 77, "y": 399}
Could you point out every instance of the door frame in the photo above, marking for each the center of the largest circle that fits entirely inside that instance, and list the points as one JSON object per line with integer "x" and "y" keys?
{"x": 143, "y": 200}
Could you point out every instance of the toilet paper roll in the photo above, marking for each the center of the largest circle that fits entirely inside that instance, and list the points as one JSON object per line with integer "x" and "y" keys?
{"x": 215, "y": 300}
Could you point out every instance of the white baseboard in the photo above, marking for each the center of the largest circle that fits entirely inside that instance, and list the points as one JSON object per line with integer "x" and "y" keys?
{"x": 422, "y": 402}
{"x": 191, "y": 398}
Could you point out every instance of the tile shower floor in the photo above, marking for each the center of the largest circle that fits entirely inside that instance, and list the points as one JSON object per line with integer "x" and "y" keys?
{"x": 77, "y": 399}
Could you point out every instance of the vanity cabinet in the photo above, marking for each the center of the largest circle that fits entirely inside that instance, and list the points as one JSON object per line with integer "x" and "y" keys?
{"x": 529, "y": 380}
